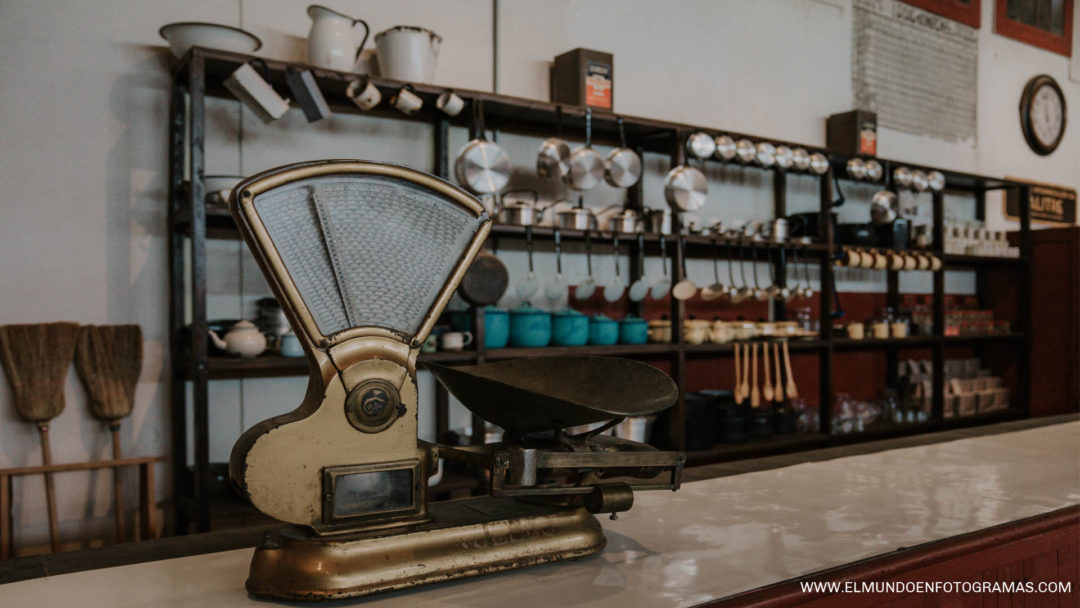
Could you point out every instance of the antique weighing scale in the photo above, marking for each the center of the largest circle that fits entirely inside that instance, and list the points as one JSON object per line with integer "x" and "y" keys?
{"x": 363, "y": 257}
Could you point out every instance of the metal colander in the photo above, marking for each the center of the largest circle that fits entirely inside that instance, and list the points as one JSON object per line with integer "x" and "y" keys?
{"x": 366, "y": 250}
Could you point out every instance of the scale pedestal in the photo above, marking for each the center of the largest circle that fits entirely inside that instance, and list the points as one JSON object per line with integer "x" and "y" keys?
{"x": 464, "y": 538}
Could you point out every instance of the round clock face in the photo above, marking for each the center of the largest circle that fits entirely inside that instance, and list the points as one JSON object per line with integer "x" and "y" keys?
{"x": 1042, "y": 114}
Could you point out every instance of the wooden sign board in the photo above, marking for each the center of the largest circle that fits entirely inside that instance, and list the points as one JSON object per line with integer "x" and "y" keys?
{"x": 1050, "y": 204}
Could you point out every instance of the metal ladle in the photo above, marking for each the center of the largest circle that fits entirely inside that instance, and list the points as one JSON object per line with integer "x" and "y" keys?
{"x": 663, "y": 284}
{"x": 796, "y": 292}
{"x": 684, "y": 289}
{"x": 774, "y": 291}
{"x": 614, "y": 290}
{"x": 556, "y": 290}
{"x": 586, "y": 288}
{"x": 743, "y": 292}
{"x": 758, "y": 293}
{"x": 807, "y": 291}
{"x": 640, "y": 288}
{"x": 527, "y": 288}
{"x": 717, "y": 289}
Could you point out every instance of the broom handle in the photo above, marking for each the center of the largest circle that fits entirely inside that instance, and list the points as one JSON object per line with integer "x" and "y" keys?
{"x": 50, "y": 491}
{"x": 118, "y": 490}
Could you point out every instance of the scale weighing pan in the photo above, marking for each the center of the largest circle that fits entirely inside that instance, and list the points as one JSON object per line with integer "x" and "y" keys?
{"x": 551, "y": 393}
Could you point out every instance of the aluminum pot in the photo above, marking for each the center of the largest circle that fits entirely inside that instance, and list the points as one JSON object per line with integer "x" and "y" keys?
{"x": 625, "y": 221}
{"x": 576, "y": 218}
{"x": 521, "y": 213}
{"x": 685, "y": 188}
{"x": 553, "y": 160}
{"x": 586, "y": 166}
{"x": 658, "y": 221}
{"x": 482, "y": 166}
{"x": 622, "y": 167}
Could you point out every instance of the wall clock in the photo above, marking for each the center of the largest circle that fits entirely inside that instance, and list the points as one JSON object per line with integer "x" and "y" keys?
{"x": 1042, "y": 114}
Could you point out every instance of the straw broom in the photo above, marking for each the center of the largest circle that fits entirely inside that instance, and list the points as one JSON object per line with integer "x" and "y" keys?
{"x": 109, "y": 360}
{"x": 36, "y": 360}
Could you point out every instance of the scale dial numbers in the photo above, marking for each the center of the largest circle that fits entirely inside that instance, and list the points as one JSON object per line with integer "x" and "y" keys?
{"x": 1042, "y": 114}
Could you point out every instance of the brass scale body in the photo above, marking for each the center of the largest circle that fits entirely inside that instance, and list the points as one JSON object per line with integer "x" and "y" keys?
{"x": 358, "y": 422}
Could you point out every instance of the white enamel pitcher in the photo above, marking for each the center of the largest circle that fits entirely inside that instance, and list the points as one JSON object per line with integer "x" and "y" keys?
{"x": 332, "y": 40}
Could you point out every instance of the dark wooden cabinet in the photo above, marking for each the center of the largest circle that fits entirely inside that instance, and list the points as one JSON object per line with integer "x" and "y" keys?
{"x": 1055, "y": 337}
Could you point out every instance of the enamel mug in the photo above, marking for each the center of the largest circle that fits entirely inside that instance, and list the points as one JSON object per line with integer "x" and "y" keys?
{"x": 406, "y": 100}
{"x": 364, "y": 94}
{"x": 450, "y": 103}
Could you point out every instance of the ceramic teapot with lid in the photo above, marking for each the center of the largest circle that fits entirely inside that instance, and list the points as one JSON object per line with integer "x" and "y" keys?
{"x": 243, "y": 340}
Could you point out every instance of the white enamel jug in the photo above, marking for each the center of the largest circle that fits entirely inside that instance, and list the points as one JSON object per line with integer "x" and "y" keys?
{"x": 332, "y": 41}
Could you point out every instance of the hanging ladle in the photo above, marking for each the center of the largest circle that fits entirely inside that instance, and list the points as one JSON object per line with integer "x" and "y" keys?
{"x": 807, "y": 290}
{"x": 743, "y": 292}
{"x": 663, "y": 284}
{"x": 585, "y": 289}
{"x": 717, "y": 289}
{"x": 777, "y": 292}
{"x": 684, "y": 289}
{"x": 759, "y": 294}
{"x": 614, "y": 290}
{"x": 556, "y": 290}
{"x": 796, "y": 291}
{"x": 527, "y": 288}
{"x": 640, "y": 288}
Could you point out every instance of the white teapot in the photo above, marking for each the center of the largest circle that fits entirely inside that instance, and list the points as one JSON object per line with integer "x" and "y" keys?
{"x": 244, "y": 339}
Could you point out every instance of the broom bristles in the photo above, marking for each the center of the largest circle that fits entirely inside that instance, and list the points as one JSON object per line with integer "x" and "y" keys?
{"x": 36, "y": 358}
{"x": 109, "y": 360}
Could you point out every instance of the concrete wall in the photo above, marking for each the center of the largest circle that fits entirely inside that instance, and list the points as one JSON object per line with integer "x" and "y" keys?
{"x": 83, "y": 164}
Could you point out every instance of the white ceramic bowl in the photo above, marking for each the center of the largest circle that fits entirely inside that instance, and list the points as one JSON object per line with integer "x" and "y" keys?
{"x": 218, "y": 187}
{"x": 184, "y": 35}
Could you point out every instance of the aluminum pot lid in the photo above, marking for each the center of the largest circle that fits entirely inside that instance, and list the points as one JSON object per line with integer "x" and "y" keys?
{"x": 553, "y": 160}
{"x": 686, "y": 188}
{"x": 701, "y": 145}
{"x": 725, "y": 147}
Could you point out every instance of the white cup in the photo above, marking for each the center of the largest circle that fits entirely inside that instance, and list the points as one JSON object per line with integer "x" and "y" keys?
{"x": 407, "y": 101}
{"x": 290, "y": 346}
{"x": 450, "y": 103}
{"x": 456, "y": 340}
{"x": 364, "y": 94}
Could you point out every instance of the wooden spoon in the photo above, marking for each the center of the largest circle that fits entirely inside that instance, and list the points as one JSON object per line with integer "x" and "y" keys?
{"x": 792, "y": 390}
{"x": 767, "y": 391}
{"x": 738, "y": 376}
{"x": 755, "y": 392}
{"x": 779, "y": 389}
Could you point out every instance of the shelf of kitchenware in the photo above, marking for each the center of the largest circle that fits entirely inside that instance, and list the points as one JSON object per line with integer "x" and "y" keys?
{"x": 204, "y": 71}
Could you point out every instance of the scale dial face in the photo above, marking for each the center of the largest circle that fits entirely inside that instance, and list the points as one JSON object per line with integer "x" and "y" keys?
{"x": 1042, "y": 114}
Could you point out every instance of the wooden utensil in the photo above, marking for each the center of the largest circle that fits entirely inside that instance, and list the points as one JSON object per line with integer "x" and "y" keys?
{"x": 767, "y": 391}
{"x": 792, "y": 390}
{"x": 755, "y": 392}
{"x": 779, "y": 388}
{"x": 36, "y": 360}
{"x": 109, "y": 360}
{"x": 738, "y": 376}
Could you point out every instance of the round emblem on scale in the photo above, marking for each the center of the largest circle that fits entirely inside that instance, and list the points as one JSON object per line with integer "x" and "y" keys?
{"x": 373, "y": 406}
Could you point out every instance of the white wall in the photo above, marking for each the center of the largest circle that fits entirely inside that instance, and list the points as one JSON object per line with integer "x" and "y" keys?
{"x": 83, "y": 164}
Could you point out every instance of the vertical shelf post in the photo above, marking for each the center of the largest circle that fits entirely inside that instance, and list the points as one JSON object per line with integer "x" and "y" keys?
{"x": 937, "y": 411}
{"x": 825, "y": 374}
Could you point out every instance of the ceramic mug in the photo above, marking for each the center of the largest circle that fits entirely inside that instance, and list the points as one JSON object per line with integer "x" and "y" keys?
{"x": 456, "y": 340}
{"x": 450, "y": 103}
{"x": 364, "y": 94}
{"x": 407, "y": 101}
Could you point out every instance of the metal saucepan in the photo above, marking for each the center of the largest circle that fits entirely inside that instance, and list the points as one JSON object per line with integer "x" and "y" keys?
{"x": 725, "y": 148}
{"x": 819, "y": 163}
{"x": 626, "y": 221}
{"x": 553, "y": 160}
{"x": 482, "y": 166}
{"x": 586, "y": 166}
{"x": 685, "y": 188}
{"x": 745, "y": 151}
{"x": 485, "y": 281}
{"x": 701, "y": 145}
{"x": 576, "y": 218}
{"x": 658, "y": 221}
{"x": 622, "y": 168}
{"x": 519, "y": 212}
{"x": 684, "y": 289}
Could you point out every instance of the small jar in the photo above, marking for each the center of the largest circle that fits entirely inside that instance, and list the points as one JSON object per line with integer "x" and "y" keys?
{"x": 856, "y": 331}
{"x": 899, "y": 328}
{"x": 879, "y": 328}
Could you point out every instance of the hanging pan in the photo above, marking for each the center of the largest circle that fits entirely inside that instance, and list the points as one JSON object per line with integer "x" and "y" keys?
{"x": 586, "y": 164}
{"x": 623, "y": 165}
{"x": 482, "y": 166}
{"x": 685, "y": 187}
{"x": 553, "y": 160}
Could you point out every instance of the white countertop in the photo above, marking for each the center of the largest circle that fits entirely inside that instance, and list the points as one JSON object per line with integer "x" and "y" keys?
{"x": 710, "y": 539}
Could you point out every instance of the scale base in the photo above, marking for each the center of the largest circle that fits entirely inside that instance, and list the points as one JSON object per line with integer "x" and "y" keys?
{"x": 464, "y": 538}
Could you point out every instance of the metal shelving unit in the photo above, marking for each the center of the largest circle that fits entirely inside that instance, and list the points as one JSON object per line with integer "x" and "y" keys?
{"x": 191, "y": 222}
